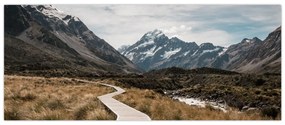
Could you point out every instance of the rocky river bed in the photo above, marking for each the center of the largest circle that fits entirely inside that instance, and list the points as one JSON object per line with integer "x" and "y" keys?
{"x": 201, "y": 103}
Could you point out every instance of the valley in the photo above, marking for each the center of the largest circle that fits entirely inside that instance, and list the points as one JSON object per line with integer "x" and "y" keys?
{"x": 76, "y": 99}
{"x": 56, "y": 68}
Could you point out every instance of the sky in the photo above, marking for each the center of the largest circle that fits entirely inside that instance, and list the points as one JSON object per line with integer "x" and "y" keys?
{"x": 221, "y": 25}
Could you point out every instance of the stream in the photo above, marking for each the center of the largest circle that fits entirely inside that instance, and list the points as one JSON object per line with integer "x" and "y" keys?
{"x": 200, "y": 103}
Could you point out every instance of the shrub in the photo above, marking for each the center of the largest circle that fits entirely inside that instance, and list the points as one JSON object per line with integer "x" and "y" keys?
{"x": 29, "y": 97}
{"x": 81, "y": 113}
{"x": 12, "y": 114}
{"x": 54, "y": 104}
{"x": 257, "y": 92}
{"x": 237, "y": 104}
{"x": 270, "y": 112}
{"x": 259, "y": 82}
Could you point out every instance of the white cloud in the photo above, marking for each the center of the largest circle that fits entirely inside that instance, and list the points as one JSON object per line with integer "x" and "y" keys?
{"x": 218, "y": 37}
{"x": 219, "y": 24}
{"x": 175, "y": 30}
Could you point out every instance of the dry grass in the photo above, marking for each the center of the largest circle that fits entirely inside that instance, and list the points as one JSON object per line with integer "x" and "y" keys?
{"x": 160, "y": 107}
{"x": 38, "y": 98}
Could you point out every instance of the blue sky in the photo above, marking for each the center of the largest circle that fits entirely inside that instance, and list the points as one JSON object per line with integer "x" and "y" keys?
{"x": 220, "y": 24}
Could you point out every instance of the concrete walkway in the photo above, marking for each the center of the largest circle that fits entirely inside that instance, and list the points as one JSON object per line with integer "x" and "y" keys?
{"x": 123, "y": 111}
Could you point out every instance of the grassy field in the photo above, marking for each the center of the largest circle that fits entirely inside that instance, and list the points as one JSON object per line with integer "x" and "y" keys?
{"x": 160, "y": 107}
{"x": 38, "y": 98}
{"x": 262, "y": 92}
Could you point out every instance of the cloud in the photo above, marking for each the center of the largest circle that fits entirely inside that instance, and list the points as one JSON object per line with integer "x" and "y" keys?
{"x": 218, "y": 37}
{"x": 175, "y": 30}
{"x": 219, "y": 24}
{"x": 183, "y": 32}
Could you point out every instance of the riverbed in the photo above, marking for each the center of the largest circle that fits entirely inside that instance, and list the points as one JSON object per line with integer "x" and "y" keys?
{"x": 200, "y": 103}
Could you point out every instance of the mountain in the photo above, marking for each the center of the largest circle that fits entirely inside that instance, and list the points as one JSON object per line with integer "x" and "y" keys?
{"x": 261, "y": 57}
{"x": 236, "y": 54}
{"x": 156, "y": 51}
{"x": 43, "y": 39}
{"x": 123, "y": 48}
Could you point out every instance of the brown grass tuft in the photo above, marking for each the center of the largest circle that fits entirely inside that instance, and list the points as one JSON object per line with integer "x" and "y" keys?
{"x": 38, "y": 98}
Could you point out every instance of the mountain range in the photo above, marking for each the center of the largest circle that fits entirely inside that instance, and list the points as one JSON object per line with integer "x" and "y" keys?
{"x": 156, "y": 51}
{"x": 40, "y": 39}
{"x": 43, "y": 39}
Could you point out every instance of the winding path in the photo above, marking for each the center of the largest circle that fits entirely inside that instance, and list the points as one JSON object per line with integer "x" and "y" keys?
{"x": 123, "y": 111}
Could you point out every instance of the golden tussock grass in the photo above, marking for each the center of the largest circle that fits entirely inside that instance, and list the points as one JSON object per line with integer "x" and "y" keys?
{"x": 38, "y": 98}
{"x": 160, "y": 107}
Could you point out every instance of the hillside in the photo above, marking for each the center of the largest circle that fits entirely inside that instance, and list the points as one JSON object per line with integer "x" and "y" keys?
{"x": 57, "y": 44}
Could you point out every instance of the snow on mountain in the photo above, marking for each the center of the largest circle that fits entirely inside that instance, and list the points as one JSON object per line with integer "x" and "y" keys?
{"x": 149, "y": 53}
{"x": 224, "y": 50}
{"x": 52, "y": 12}
{"x": 130, "y": 55}
{"x": 186, "y": 53}
{"x": 209, "y": 51}
{"x": 153, "y": 34}
{"x": 167, "y": 54}
{"x": 156, "y": 50}
{"x": 150, "y": 42}
{"x": 194, "y": 53}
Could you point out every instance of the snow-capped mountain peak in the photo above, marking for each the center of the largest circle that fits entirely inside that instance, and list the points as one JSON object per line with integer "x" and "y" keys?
{"x": 151, "y": 35}
{"x": 153, "y": 51}
{"x": 52, "y": 12}
{"x": 156, "y": 32}
{"x": 49, "y": 11}
{"x": 156, "y": 50}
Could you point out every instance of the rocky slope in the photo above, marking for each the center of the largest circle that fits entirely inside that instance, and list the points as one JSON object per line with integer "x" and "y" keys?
{"x": 266, "y": 57}
{"x": 58, "y": 42}
{"x": 253, "y": 55}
